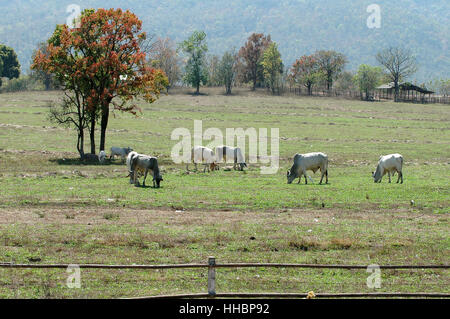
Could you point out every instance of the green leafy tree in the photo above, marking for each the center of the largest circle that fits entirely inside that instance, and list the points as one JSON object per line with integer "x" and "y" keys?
{"x": 331, "y": 64}
{"x": 1, "y": 71}
{"x": 196, "y": 71}
{"x": 444, "y": 87}
{"x": 367, "y": 78}
{"x": 9, "y": 63}
{"x": 227, "y": 70}
{"x": 272, "y": 66}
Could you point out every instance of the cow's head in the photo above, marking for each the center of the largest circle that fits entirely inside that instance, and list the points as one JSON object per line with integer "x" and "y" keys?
{"x": 242, "y": 165}
{"x": 291, "y": 175}
{"x": 377, "y": 175}
{"x": 158, "y": 179}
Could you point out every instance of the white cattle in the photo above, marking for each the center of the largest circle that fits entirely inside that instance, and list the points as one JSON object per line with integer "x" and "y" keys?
{"x": 387, "y": 164}
{"x": 145, "y": 163}
{"x": 102, "y": 156}
{"x": 203, "y": 155}
{"x": 234, "y": 153}
{"x": 120, "y": 151}
{"x": 308, "y": 162}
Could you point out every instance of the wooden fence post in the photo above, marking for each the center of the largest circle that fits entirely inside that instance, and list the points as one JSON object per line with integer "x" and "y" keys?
{"x": 211, "y": 276}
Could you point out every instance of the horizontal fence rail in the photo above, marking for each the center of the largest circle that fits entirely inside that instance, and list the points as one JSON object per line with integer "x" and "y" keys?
{"x": 212, "y": 265}
{"x": 225, "y": 265}
{"x": 303, "y": 295}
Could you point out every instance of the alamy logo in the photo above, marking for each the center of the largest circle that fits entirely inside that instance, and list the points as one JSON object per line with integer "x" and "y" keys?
{"x": 258, "y": 142}
{"x": 73, "y": 20}
{"x": 74, "y": 278}
{"x": 374, "y": 19}
{"x": 374, "y": 280}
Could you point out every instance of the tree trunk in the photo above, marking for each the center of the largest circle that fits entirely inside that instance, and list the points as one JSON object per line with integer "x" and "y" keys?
{"x": 254, "y": 83}
{"x": 396, "y": 91}
{"x": 198, "y": 88}
{"x": 92, "y": 135}
{"x": 104, "y": 124}
{"x": 47, "y": 82}
{"x": 228, "y": 89}
{"x": 80, "y": 143}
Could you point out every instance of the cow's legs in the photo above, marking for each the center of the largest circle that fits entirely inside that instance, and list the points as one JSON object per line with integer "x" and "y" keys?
{"x": 321, "y": 177}
{"x": 389, "y": 175}
{"x": 306, "y": 179}
{"x": 145, "y": 176}
{"x": 136, "y": 181}
{"x": 400, "y": 174}
{"x": 326, "y": 176}
{"x": 131, "y": 177}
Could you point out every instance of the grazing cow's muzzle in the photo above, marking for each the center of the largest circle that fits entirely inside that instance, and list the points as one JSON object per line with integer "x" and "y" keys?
{"x": 290, "y": 177}
{"x": 158, "y": 182}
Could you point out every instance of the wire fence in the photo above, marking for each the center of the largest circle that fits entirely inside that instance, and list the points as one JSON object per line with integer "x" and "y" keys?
{"x": 211, "y": 265}
{"x": 377, "y": 95}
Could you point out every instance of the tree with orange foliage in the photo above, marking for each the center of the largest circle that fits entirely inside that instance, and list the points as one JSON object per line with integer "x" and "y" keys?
{"x": 100, "y": 65}
{"x": 250, "y": 56}
{"x": 305, "y": 71}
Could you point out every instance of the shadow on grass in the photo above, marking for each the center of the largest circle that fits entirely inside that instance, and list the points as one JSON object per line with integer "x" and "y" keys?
{"x": 79, "y": 162}
{"x": 147, "y": 186}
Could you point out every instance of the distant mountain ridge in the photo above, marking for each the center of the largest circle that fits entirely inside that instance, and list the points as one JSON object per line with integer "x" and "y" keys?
{"x": 298, "y": 26}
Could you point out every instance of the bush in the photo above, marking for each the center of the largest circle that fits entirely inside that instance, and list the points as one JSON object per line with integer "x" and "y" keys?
{"x": 23, "y": 83}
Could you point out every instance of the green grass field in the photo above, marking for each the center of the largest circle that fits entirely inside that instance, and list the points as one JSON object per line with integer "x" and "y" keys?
{"x": 57, "y": 210}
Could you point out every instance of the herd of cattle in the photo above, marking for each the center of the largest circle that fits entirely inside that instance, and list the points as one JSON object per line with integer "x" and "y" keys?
{"x": 139, "y": 164}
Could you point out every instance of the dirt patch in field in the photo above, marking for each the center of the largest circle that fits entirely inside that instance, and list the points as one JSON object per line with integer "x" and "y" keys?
{"x": 98, "y": 216}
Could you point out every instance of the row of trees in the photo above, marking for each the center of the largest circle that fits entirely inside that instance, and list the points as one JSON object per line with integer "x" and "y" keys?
{"x": 259, "y": 63}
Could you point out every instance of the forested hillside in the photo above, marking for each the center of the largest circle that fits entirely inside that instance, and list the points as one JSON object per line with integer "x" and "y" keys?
{"x": 298, "y": 26}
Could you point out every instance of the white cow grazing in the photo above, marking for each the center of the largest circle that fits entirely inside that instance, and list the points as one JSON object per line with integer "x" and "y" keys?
{"x": 308, "y": 162}
{"x": 235, "y": 153}
{"x": 144, "y": 163}
{"x": 120, "y": 151}
{"x": 387, "y": 164}
{"x": 102, "y": 156}
{"x": 200, "y": 154}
